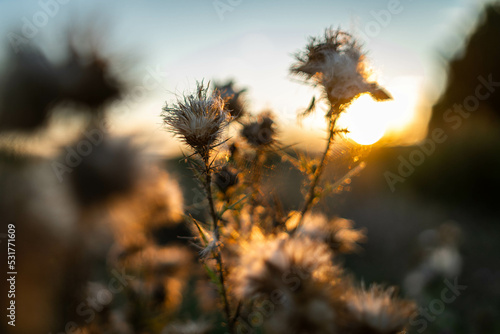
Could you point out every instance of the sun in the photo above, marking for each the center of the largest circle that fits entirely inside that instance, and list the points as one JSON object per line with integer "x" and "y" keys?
{"x": 368, "y": 120}
{"x": 363, "y": 120}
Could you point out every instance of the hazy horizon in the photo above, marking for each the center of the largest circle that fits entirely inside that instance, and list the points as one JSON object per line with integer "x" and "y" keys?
{"x": 174, "y": 44}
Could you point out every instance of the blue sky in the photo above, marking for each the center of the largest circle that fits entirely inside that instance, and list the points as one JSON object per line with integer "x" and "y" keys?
{"x": 251, "y": 41}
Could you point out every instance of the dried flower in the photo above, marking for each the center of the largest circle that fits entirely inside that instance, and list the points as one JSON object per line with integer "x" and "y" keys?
{"x": 29, "y": 88}
{"x": 33, "y": 85}
{"x": 314, "y": 315}
{"x": 226, "y": 178}
{"x": 337, "y": 63}
{"x": 198, "y": 119}
{"x": 264, "y": 262}
{"x": 87, "y": 80}
{"x": 150, "y": 213}
{"x": 260, "y": 132}
{"x": 232, "y": 99}
{"x": 338, "y": 233}
{"x": 210, "y": 247}
{"x": 377, "y": 311}
{"x": 296, "y": 275}
{"x": 206, "y": 241}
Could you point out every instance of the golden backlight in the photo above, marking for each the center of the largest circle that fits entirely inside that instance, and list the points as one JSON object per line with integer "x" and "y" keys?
{"x": 368, "y": 120}
{"x": 364, "y": 121}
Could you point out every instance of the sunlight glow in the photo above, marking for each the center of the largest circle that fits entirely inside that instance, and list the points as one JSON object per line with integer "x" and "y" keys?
{"x": 368, "y": 120}
{"x": 363, "y": 121}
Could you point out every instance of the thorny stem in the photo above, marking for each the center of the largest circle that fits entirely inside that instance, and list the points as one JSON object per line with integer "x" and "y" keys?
{"x": 319, "y": 171}
{"x": 216, "y": 253}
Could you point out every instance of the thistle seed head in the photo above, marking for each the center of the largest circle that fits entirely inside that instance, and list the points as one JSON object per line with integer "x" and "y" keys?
{"x": 232, "y": 98}
{"x": 226, "y": 178}
{"x": 198, "y": 119}
{"x": 298, "y": 274}
{"x": 261, "y": 132}
{"x": 377, "y": 310}
{"x": 337, "y": 63}
{"x": 338, "y": 233}
{"x": 263, "y": 264}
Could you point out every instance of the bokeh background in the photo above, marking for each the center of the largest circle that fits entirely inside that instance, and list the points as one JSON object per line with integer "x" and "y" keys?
{"x": 430, "y": 206}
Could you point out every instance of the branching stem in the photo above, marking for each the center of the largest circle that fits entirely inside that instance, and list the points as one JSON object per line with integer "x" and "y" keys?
{"x": 309, "y": 201}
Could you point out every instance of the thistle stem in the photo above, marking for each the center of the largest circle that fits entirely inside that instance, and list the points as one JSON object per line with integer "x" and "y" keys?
{"x": 256, "y": 177}
{"x": 236, "y": 313}
{"x": 216, "y": 253}
{"x": 211, "y": 206}
{"x": 319, "y": 171}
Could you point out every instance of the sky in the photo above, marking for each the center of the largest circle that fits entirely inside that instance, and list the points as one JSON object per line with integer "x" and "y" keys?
{"x": 172, "y": 44}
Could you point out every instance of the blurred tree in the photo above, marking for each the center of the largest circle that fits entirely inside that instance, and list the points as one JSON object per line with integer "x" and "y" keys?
{"x": 463, "y": 171}
{"x": 479, "y": 59}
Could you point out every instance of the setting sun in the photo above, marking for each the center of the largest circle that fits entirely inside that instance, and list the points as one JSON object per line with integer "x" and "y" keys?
{"x": 365, "y": 124}
{"x": 368, "y": 120}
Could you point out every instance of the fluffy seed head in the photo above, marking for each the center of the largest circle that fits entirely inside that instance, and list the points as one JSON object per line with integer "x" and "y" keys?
{"x": 338, "y": 232}
{"x": 377, "y": 311}
{"x": 297, "y": 275}
{"x": 198, "y": 119}
{"x": 263, "y": 264}
{"x": 337, "y": 63}
{"x": 232, "y": 98}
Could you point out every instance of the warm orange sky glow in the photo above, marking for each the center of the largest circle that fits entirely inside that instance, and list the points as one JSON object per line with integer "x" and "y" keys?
{"x": 368, "y": 121}
{"x": 261, "y": 52}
